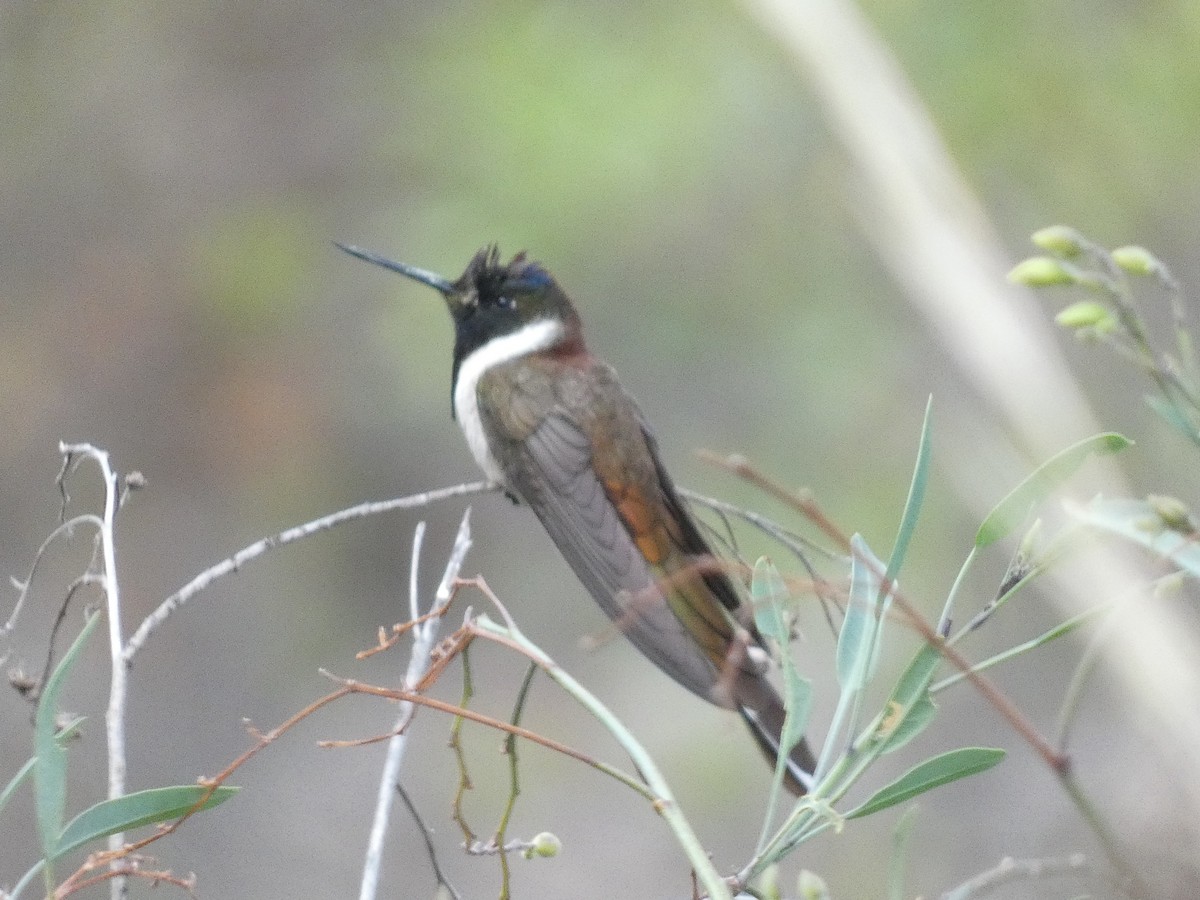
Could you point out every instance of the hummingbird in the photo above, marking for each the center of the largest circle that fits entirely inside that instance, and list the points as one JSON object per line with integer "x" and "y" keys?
{"x": 552, "y": 425}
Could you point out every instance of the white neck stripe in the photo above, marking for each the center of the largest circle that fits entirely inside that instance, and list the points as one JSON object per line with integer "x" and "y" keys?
{"x": 531, "y": 338}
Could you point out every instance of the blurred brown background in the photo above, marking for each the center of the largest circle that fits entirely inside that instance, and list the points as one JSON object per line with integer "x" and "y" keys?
{"x": 171, "y": 177}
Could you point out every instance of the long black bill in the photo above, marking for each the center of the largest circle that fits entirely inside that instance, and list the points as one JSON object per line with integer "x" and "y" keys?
{"x": 437, "y": 282}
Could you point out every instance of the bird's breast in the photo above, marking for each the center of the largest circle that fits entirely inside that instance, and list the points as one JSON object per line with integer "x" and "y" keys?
{"x": 500, "y": 351}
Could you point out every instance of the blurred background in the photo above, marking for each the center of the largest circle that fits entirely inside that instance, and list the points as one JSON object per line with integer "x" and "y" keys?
{"x": 171, "y": 179}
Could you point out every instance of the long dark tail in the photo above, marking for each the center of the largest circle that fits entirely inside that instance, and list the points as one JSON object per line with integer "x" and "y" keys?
{"x": 762, "y": 709}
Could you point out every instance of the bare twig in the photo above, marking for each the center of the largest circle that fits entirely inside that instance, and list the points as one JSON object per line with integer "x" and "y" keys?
{"x": 1010, "y": 870}
{"x": 426, "y": 836}
{"x": 655, "y": 788}
{"x": 77, "y": 882}
{"x": 804, "y": 503}
{"x": 350, "y": 686}
{"x": 424, "y": 636}
{"x": 514, "y": 782}
{"x": 153, "y": 621}
{"x": 63, "y": 529}
{"x": 107, "y": 578}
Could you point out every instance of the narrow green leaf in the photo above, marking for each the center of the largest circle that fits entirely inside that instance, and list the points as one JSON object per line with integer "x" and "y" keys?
{"x": 858, "y": 628}
{"x": 135, "y": 810}
{"x": 939, "y": 770}
{"x": 770, "y": 594}
{"x": 901, "y": 839}
{"x": 913, "y": 722}
{"x": 907, "y": 699}
{"x": 798, "y": 701}
{"x": 916, "y": 496}
{"x": 1142, "y": 523}
{"x": 66, "y": 733}
{"x": 1010, "y": 512}
{"x": 915, "y": 681}
{"x": 50, "y": 767}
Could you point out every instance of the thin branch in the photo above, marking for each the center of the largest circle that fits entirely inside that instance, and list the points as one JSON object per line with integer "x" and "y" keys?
{"x": 454, "y": 742}
{"x": 800, "y": 501}
{"x": 426, "y": 836}
{"x": 63, "y": 529}
{"x": 80, "y": 582}
{"x": 228, "y": 566}
{"x": 514, "y": 782}
{"x": 424, "y": 636}
{"x": 78, "y": 883}
{"x": 107, "y": 578}
{"x": 796, "y": 543}
{"x": 655, "y": 787}
{"x": 1010, "y": 870}
{"x": 350, "y": 686}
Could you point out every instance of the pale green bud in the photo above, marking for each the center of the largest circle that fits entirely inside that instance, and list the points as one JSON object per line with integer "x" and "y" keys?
{"x": 1088, "y": 314}
{"x": 1137, "y": 260}
{"x": 811, "y": 886}
{"x": 1059, "y": 240}
{"x": 544, "y": 844}
{"x": 767, "y": 884}
{"x": 1041, "y": 271}
{"x": 1173, "y": 513}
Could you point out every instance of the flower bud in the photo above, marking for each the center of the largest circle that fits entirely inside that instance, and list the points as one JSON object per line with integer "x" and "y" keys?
{"x": 811, "y": 886}
{"x": 1172, "y": 512}
{"x": 1137, "y": 260}
{"x": 544, "y": 844}
{"x": 1041, "y": 271}
{"x": 1088, "y": 314}
{"x": 1059, "y": 240}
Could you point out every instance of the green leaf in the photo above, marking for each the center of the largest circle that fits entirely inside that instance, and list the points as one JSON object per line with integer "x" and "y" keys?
{"x": 932, "y": 773}
{"x": 909, "y": 698}
{"x": 915, "y": 681}
{"x": 1012, "y": 510}
{"x": 134, "y": 810}
{"x": 901, "y": 839}
{"x": 916, "y": 496}
{"x": 854, "y": 638}
{"x": 1141, "y": 522}
{"x": 913, "y": 722}
{"x": 770, "y": 594}
{"x": 50, "y": 767}
{"x": 65, "y": 734}
{"x": 856, "y": 641}
{"x": 798, "y": 701}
